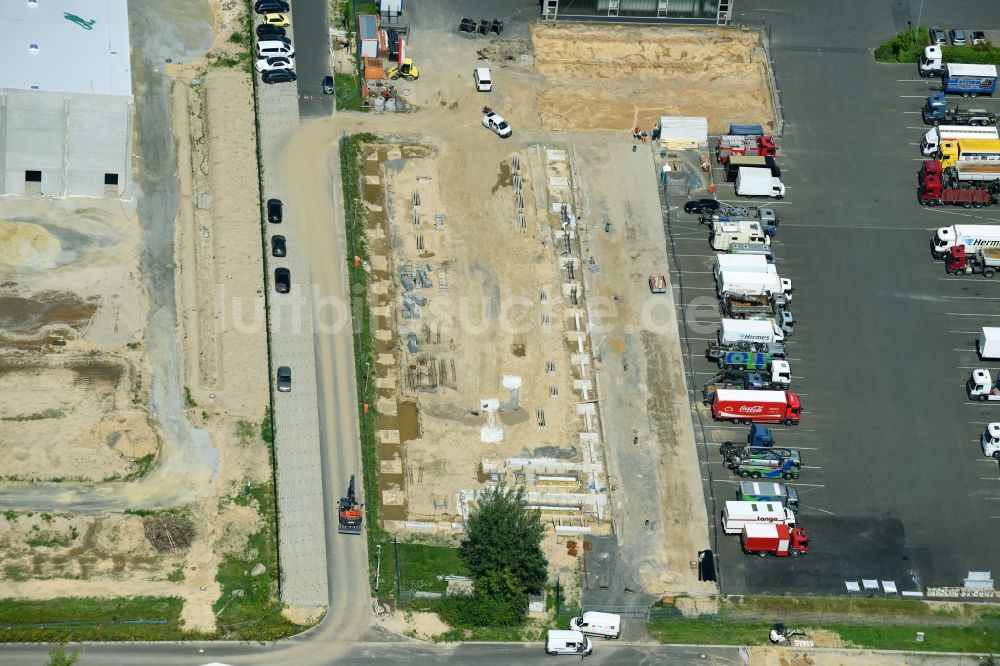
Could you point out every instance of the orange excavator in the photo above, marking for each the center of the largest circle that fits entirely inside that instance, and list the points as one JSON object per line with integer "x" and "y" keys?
{"x": 351, "y": 514}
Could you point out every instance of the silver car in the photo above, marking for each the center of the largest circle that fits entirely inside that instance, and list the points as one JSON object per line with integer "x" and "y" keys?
{"x": 937, "y": 36}
{"x": 284, "y": 379}
{"x": 958, "y": 37}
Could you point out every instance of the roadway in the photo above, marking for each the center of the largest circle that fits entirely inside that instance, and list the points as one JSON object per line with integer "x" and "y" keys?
{"x": 894, "y": 486}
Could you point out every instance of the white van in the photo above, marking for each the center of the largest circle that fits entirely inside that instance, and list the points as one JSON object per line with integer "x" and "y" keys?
{"x": 484, "y": 82}
{"x": 608, "y": 625}
{"x": 273, "y": 49}
{"x": 567, "y": 642}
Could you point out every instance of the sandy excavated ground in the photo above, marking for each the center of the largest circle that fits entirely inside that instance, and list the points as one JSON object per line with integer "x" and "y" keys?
{"x": 619, "y": 77}
{"x": 78, "y": 413}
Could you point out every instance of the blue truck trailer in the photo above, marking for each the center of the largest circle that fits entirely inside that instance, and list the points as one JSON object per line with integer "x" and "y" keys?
{"x": 969, "y": 80}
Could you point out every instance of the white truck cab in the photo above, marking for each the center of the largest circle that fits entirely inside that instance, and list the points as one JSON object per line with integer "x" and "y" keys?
{"x": 990, "y": 441}
{"x": 931, "y": 62}
{"x": 567, "y": 642}
{"x": 980, "y": 386}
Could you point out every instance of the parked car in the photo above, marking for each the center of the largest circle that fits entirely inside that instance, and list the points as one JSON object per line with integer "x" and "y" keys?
{"x": 284, "y": 379}
{"x": 270, "y": 64}
{"x": 268, "y": 37}
{"x": 274, "y": 207}
{"x": 701, "y": 206}
{"x": 937, "y": 36}
{"x": 278, "y": 76}
{"x": 978, "y": 37}
{"x": 277, "y": 19}
{"x": 958, "y": 37}
{"x": 282, "y": 280}
{"x": 328, "y": 85}
{"x": 496, "y": 123}
{"x": 270, "y": 6}
{"x": 278, "y": 247}
{"x": 269, "y": 31}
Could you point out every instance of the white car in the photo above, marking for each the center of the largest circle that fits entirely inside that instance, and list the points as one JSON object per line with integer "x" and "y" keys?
{"x": 268, "y": 64}
{"x": 497, "y": 124}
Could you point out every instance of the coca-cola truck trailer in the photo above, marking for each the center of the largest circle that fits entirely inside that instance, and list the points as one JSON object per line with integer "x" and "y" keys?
{"x": 745, "y": 406}
{"x": 765, "y": 539}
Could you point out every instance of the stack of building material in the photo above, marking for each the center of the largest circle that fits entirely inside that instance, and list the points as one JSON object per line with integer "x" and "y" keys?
{"x": 374, "y": 69}
{"x": 683, "y": 132}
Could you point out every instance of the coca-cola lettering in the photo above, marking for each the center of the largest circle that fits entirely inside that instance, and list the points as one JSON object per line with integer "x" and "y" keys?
{"x": 751, "y": 409}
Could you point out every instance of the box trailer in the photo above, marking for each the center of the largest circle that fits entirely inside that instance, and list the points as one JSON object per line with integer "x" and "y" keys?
{"x": 989, "y": 343}
{"x": 753, "y": 248}
{"x": 768, "y": 283}
{"x": 972, "y": 236}
{"x": 763, "y": 539}
{"x": 953, "y": 152}
{"x": 733, "y": 331}
{"x": 768, "y": 491}
{"x": 935, "y": 136}
{"x": 741, "y": 263}
{"x": 737, "y": 514}
{"x": 969, "y": 80}
{"x": 755, "y": 182}
{"x": 756, "y": 406}
{"x": 755, "y": 161}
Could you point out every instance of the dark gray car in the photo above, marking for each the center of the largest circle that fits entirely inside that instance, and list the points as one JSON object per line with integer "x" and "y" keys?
{"x": 282, "y": 280}
{"x": 278, "y": 248}
{"x": 284, "y": 379}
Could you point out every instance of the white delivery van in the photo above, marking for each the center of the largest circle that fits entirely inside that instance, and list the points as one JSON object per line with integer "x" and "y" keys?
{"x": 484, "y": 82}
{"x": 608, "y": 625}
{"x": 567, "y": 642}
{"x": 989, "y": 343}
{"x": 733, "y": 331}
{"x": 935, "y": 135}
{"x": 740, "y": 263}
{"x": 757, "y": 182}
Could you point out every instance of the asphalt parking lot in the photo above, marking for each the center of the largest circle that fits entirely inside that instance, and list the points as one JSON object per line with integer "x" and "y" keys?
{"x": 894, "y": 485}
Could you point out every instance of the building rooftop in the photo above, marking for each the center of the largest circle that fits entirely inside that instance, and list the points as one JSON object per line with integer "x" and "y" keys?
{"x": 67, "y": 46}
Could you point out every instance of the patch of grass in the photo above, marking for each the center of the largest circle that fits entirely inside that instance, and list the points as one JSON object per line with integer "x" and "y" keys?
{"x": 37, "y": 416}
{"x": 708, "y": 631}
{"x": 188, "y": 399}
{"x": 88, "y": 619}
{"x": 10, "y": 515}
{"x": 246, "y": 433}
{"x": 350, "y": 167}
{"x": 239, "y": 38}
{"x": 47, "y": 517}
{"x": 49, "y": 541}
{"x": 527, "y": 633}
{"x": 134, "y": 345}
{"x": 256, "y": 615}
{"x": 16, "y": 574}
{"x": 936, "y": 639}
{"x": 421, "y": 565}
{"x": 267, "y": 428}
{"x": 907, "y": 48}
{"x": 347, "y": 92}
{"x": 142, "y": 466}
{"x": 857, "y": 607}
{"x": 176, "y": 576}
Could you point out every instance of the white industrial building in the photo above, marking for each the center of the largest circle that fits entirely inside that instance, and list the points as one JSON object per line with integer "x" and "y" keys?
{"x": 66, "y": 99}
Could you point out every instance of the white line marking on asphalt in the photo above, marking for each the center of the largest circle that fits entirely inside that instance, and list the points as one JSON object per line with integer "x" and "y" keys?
{"x": 989, "y": 478}
{"x": 684, "y": 272}
{"x": 677, "y": 286}
{"x": 946, "y": 211}
{"x": 911, "y": 80}
{"x": 911, "y": 112}
{"x": 954, "y": 278}
{"x": 970, "y": 314}
{"x": 975, "y": 332}
{"x": 989, "y": 298}
{"x": 816, "y": 508}
{"x": 989, "y": 460}
{"x": 811, "y": 467}
{"x": 964, "y": 350}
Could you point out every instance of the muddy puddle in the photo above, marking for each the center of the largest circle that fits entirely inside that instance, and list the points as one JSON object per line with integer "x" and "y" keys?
{"x": 46, "y": 315}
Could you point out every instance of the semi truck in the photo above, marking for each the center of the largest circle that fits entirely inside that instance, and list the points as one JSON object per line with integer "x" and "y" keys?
{"x": 936, "y": 187}
{"x": 990, "y": 441}
{"x": 756, "y": 406}
{"x": 972, "y": 236}
{"x": 725, "y": 232}
{"x": 734, "y": 163}
{"x": 931, "y": 62}
{"x": 769, "y": 283}
{"x": 768, "y": 491}
{"x": 765, "y": 463}
{"x": 737, "y": 514}
{"x": 731, "y": 145}
{"x": 758, "y": 436}
{"x": 980, "y": 386}
{"x": 757, "y": 306}
{"x": 779, "y": 378}
{"x": 750, "y": 361}
{"x": 935, "y": 136}
{"x": 971, "y": 152}
{"x": 988, "y": 345}
{"x": 779, "y": 540}
{"x": 936, "y": 112}
{"x": 985, "y": 261}
{"x": 743, "y": 263}
{"x": 969, "y": 80}
{"x": 755, "y": 182}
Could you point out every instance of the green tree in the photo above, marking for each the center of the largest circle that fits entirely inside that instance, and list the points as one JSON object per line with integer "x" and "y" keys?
{"x": 58, "y": 656}
{"x": 497, "y": 601}
{"x": 504, "y": 534}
